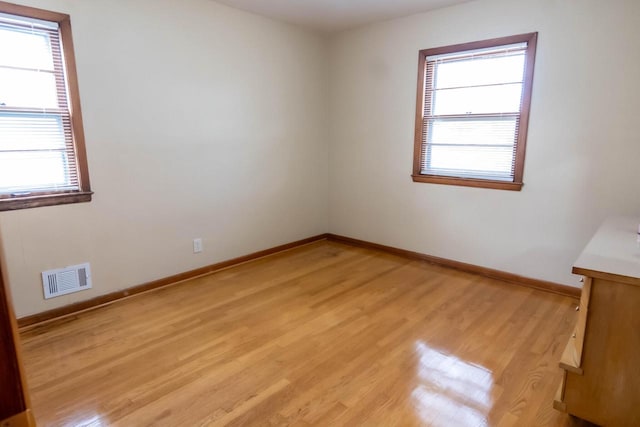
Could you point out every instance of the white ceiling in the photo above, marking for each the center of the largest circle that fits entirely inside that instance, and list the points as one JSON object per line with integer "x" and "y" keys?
{"x": 336, "y": 15}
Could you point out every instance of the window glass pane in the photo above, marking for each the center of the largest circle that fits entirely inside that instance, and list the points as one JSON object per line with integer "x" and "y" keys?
{"x": 38, "y": 136}
{"x": 478, "y": 100}
{"x": 480, "y": 71}
{"x": 33, "y": 171}
{"x": 19, "y": 88}
{"x": 495, "y": 162}
{"x": 31, "y": 132}
{"x": 476, "y": 131}
{"x": 26, "y": 49}
{"x": 475, "y": 97}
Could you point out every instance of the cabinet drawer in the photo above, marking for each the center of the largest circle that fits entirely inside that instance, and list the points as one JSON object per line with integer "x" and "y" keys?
{"x": 572, "y": 356}
{"x": 585, "y": 295}
{"x": 558, "y": 401}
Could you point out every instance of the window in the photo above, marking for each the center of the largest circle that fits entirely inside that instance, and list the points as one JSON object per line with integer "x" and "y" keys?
{"x": 42, "y": 153}
{"x": 472, "y": 112}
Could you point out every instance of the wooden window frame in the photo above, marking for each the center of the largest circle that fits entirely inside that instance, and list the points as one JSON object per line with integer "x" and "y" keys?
{"x": 418, "y": 153}
{"x": 84, "y": 193}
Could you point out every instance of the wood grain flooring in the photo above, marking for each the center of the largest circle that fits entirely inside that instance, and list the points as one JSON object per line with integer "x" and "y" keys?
{"x": 326, "y": 334}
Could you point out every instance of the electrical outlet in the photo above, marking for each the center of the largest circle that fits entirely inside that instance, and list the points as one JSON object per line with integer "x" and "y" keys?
{"x": 197, "y": 245}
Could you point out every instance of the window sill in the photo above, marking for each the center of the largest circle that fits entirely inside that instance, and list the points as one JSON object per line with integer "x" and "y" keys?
{"x": 36, "y": 201}
{"x": 468, "y": 182}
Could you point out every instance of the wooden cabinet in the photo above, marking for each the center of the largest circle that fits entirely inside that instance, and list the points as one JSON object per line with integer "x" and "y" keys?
{"x": 601, "y": 362}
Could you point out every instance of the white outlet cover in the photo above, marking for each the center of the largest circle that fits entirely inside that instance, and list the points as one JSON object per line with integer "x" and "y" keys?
{"x": 197, "y": 246}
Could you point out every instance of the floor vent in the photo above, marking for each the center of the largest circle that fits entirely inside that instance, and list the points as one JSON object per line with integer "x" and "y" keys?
{"x": 66, "y": 280}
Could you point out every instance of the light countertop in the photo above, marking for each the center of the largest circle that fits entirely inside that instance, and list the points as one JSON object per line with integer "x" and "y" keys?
{"x": 613, "y": 253}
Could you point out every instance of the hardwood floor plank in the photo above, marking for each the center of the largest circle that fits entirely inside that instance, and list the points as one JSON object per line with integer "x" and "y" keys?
{"x": 325, "y": 334}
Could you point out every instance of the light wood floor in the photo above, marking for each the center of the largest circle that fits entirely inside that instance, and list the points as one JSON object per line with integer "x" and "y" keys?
{"x": 326, "y": 334}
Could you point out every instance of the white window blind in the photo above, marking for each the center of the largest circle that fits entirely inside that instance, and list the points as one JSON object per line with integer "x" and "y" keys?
{"x": 36, "y": 141}
{"x": 472, "y": 107}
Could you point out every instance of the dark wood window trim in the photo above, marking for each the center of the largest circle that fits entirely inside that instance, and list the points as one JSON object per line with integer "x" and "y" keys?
{"x": 468, "y": 182}
{"x": 37, "y": 199}
{"x": 41, "y": 200}
{"x": 418, "y": 155}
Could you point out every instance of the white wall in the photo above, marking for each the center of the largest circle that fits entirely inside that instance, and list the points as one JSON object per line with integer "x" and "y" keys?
{"x": 583, "y": 149}
{"x": 204, "y": 121}
{"x": 200, "y": 121}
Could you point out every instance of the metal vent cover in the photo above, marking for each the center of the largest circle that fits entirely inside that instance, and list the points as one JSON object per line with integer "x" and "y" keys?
{"x": 66, "y": 280}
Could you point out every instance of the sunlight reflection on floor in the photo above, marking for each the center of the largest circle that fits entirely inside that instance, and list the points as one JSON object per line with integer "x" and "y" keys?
{"x": 91, "y": 421}
{"x": 451, "y": 392}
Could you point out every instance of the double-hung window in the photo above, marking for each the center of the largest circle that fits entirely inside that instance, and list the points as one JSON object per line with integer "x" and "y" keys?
{"x": 472, "y": 112}
{"x": 42, "y": 153}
